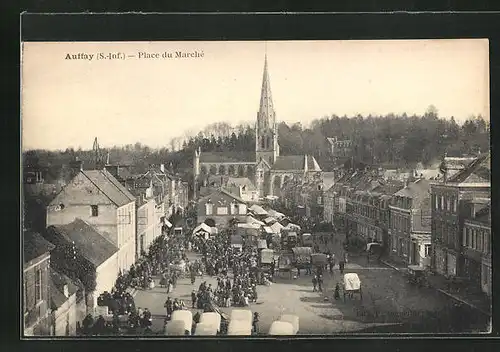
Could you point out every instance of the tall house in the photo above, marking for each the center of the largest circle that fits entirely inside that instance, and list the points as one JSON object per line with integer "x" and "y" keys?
{"x": 36, "y": 289}
{"x": 96, "y": 197}
{"x": 266, "y": 146}
{"x": 410, "y": 224}
{"x": 476, "y": 244}
{"x": 448, "y": 200}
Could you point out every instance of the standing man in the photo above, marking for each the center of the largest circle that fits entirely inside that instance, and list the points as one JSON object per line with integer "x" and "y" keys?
{"x": 320, "y": 283}
{"x": 331, "y": 261}
{"x": 314, "y": 282}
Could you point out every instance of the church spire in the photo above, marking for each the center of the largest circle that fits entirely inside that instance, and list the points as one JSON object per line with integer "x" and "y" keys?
{"x": 266, "y": 109}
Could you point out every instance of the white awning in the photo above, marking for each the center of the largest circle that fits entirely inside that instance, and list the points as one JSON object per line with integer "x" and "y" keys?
{"x": 167, "y": 223}
{"x": 252, "y": 220}
{"x": 276, "y": 227}
{"x": 267, "y": 229}
{"x": 202, "y": 227}
{"x": 291, "y": 226}
{"x": 257, "y": 209}
{"x": 248, "y": 226}
{"x": 269, "y": 220}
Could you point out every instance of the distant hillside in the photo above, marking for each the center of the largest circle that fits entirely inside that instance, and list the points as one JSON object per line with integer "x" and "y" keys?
{"x": 391, "y": 139}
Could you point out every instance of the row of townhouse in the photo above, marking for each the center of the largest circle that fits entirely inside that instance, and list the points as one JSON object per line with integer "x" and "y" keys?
{"x": 461, "y": 221}
{"x": 435, "y": 218}
{"x": 367, "y": 205}
{"x": 305, "y": 195}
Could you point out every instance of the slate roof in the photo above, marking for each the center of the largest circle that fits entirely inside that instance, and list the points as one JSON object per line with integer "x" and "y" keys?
{"x": 110, "y": 186}
{"x": 93, "y": 246}
{"x": 477, "y": 171}
{"x": 295, "y": 162}
{"x": 57, "y": 281}
{"x": 227, "y": 157}
{"x": 34, "y": 245}
{"x": 418, "y": 191}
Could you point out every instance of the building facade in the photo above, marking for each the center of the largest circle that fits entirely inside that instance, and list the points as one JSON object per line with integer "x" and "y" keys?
{"x": 36, "y": 288}
{"x": 267, "y": 169}
{"x": 96, "y": 197}
{"x": 84, "y": 245}
{"x": 220, "y": 208}
{"x": 476, "y": 244}
{"x": 64, "y": 305}
{"x": 410, "y": 224}
{"x": 449, "y": 200}
{"x": 147, "y": 225}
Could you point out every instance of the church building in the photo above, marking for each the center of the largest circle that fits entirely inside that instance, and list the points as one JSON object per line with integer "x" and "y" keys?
{"x": 267, "y": 169}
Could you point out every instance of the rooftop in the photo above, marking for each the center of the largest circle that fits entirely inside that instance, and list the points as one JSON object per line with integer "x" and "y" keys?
{"x": 110, "y": 186}
{"x": 227, "y": 157}
{"x": 57, "y": 282}
{"x": 92, "y": 244}
{"x": 34, "y": 245}
{"x": 478, "y": 171}
{"x": 296, "y": 162}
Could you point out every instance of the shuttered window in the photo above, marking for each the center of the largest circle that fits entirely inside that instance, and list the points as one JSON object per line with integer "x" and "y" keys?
{"x": 38, "y": 285}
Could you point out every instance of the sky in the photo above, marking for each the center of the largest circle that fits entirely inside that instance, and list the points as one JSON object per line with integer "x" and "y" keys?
{"x": 66, "y": 103}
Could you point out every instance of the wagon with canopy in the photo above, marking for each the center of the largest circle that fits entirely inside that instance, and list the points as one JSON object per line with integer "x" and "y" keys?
{"x": 285, "y": 263}
{"x": 302, "y": 257}
{"x": 211, "y": 318}
{"x": 374, "y": 250}
{"x": 292, "y": 319}
{"x": 177, "y": 328}
{"x": 319, "y": 260}
{"x": 205, "y": 329}
{"x": 352, "y": 285}
{"x": 183, "y": 315}
{"x": 281, "y": 328}
{"x": 239, "y": 328}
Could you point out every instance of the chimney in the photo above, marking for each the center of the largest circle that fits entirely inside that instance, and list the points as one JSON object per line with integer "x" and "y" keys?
{"x": 162, "y": 168}
{"x": 66, "y": 291}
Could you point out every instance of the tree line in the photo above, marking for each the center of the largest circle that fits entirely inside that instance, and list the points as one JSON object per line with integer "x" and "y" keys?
{"x": 399, "y": 140}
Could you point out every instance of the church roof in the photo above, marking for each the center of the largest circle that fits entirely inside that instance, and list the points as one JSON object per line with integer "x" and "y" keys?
{"x": 296, "y": 162}
{"x": 241, "y": 181}
{"x": 227, "y": 157}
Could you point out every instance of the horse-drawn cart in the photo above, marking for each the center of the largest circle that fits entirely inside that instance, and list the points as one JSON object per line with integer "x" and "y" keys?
{"x": 352, "y": 285}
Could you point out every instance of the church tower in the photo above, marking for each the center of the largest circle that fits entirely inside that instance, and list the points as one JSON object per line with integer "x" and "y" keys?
{"x": 266, "y": 129}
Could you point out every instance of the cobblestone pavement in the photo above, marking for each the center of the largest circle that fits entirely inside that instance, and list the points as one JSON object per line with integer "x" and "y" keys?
{"x": 389, "y": 303}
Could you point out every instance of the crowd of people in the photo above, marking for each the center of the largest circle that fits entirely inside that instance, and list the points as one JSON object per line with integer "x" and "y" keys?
{"x": 218, "y": 259}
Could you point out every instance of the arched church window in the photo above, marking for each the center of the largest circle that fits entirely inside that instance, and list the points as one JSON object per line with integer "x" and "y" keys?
{"x": 263, "y": 143}
{"x": 268, "y": 142}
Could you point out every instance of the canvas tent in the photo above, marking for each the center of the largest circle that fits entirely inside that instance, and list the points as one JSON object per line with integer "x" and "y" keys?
{"x": 258, "y": 210}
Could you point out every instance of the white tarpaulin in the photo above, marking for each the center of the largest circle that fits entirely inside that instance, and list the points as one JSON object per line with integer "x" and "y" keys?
{"x": 276, "y": 227}
{"x": 268, "y": 229}
{"x": 291, "y": 226}
{"x": 269, "y": 220}
{"x": 168, "y": 223}
{"x": 248, "y": 226}
{"x": 202, "y": 227}
{"x": 257, "y": 209}
{"x": 252, "y": 220}
{"x": 351, "y": 282}
{"x": 281, "y": 328}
